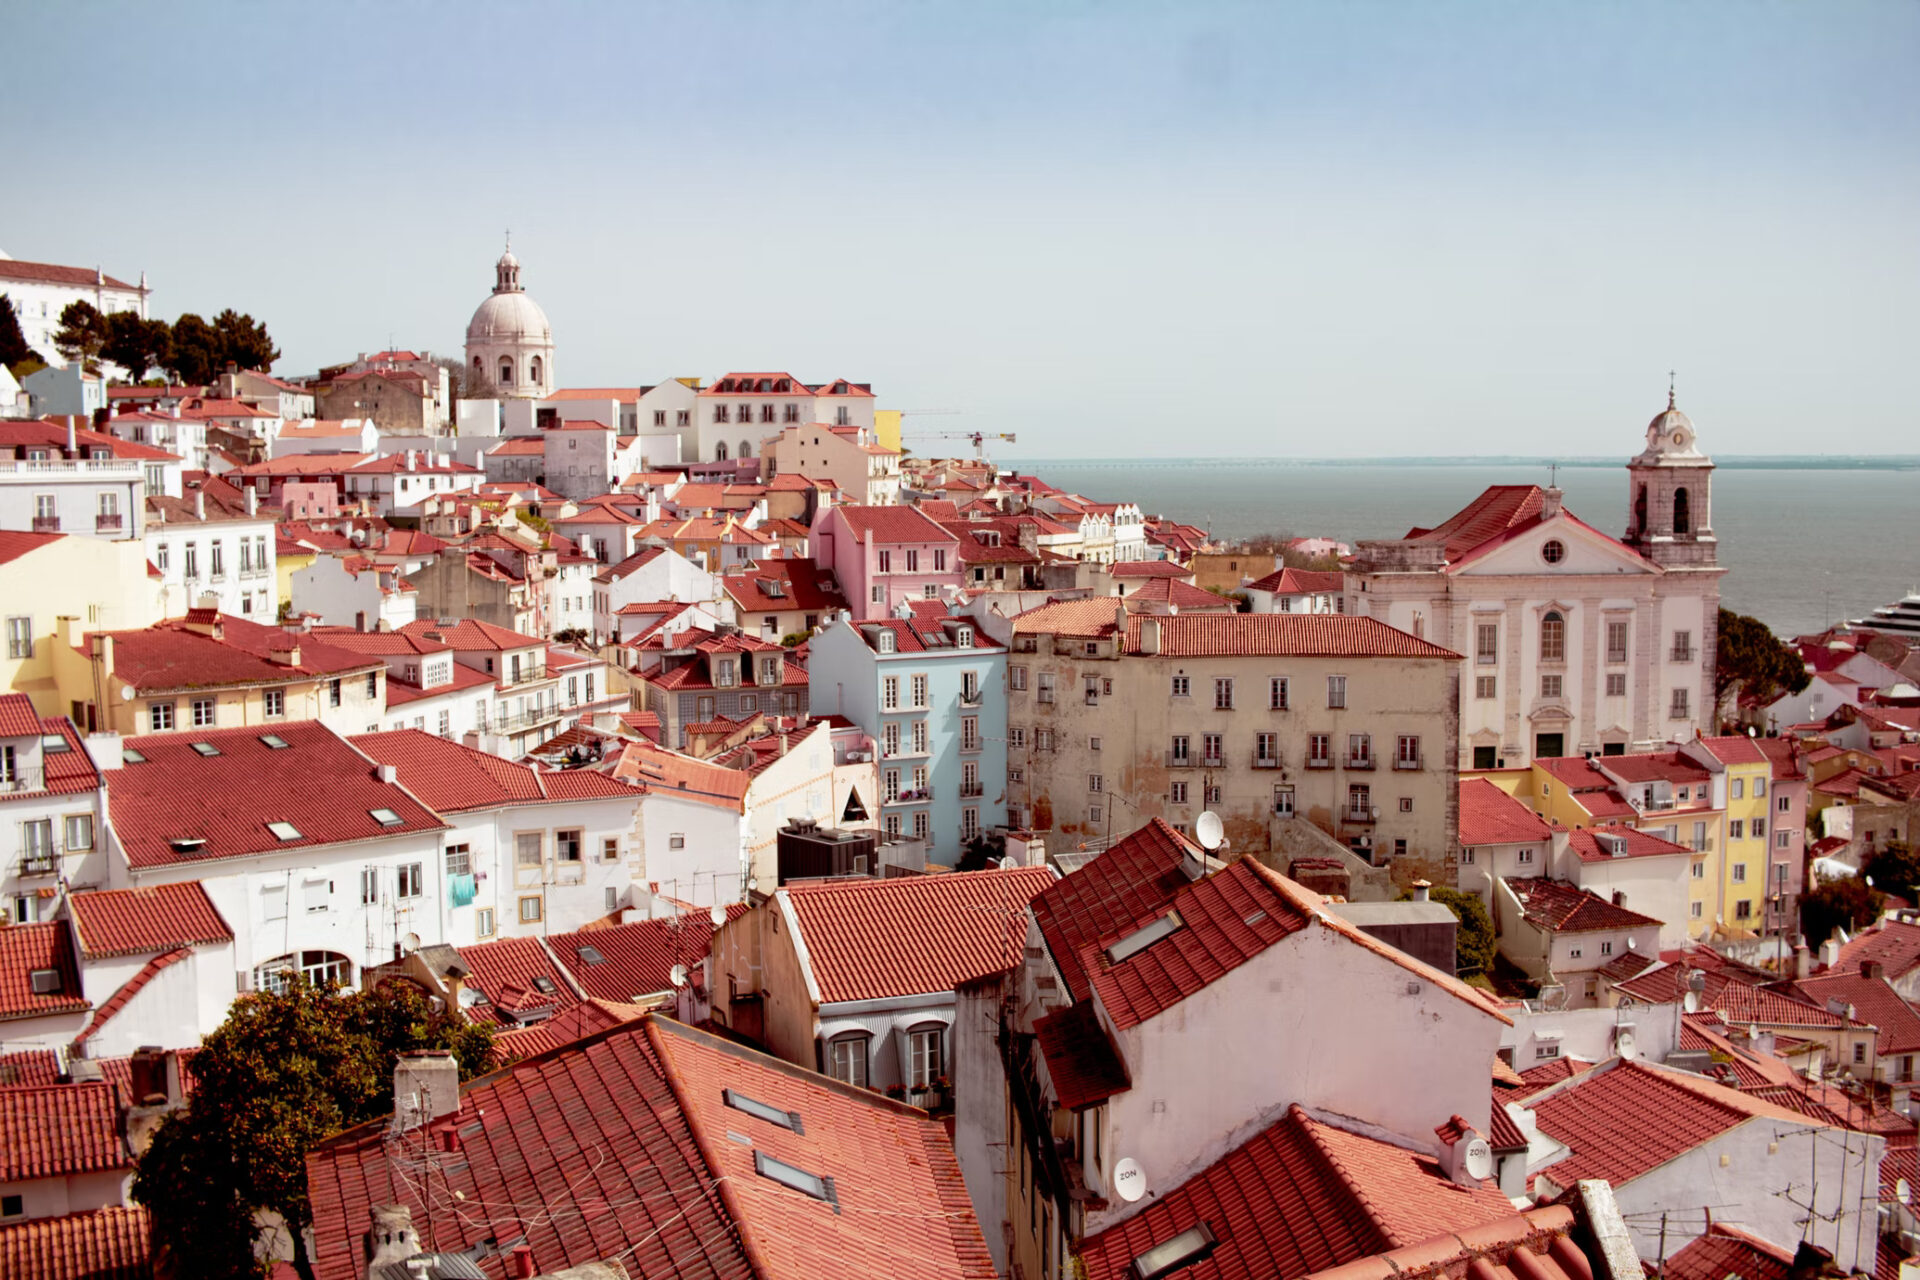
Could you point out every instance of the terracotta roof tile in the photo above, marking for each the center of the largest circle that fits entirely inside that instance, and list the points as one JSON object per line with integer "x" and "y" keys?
{"x": 52, "y": 273}
{"x": 132, "y": 987}
{"x": 106, "y": 1244}
{"x": 1081, "y": 1061}
{"x": 120, "y": 922}
{"x": 893, "y": 525}
{"x": 635, "y": 960}
{"x": 872, "y": 939}
{"x": 18, "y": 719}
{"x": 654, "y": 768}
{"x": 1728, "y": 1251}
{"x": 26, "y": 949}
{"x": 1489, "y": 815}
{"x": 470, "y": 634}
{"x": 1125, "y": 885}
{"x": 518, "y": 978}
{"x": 1895, "y": 944}
{"x": 31, "y": 1066}
{"x": 588, "y": 1018}
{"x": 1585, "y": 843}
{"x": 169, "y": 655}
{"x": 59, "y": 1130}
{"x": 1874, "y": 1001}
{"x": 1564, "y": 907}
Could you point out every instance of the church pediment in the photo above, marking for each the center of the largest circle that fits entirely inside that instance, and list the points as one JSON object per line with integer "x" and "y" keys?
{"x": 1561, "y": 544}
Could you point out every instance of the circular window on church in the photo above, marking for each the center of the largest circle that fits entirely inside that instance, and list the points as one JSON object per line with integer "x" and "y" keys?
{"x": 1553, "y": 551}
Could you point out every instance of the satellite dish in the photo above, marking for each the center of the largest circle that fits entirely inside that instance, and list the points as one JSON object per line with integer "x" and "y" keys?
{"x": 1129, "y": 1180}
{"x": 1478, "y": 1158}
{"x": 1902, "y": 1192}
{"x": 753, "y": 882}
{"x": 717, "y": 914}
{"x": 1007, "y": 863}
{"x": 1625, "y": 1046}
{"x": 679, "y": 975}
{"x": 126, "y": 693}
{"x": 1632, "y": 944}
{"x": 410, "y": 943}
{"x": 1208, "y": 829}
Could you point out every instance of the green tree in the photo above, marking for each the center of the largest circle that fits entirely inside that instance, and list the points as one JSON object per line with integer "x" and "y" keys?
{"x": 1839, "y": 904}
{"x": 284, "y": 1071}
{"x": 1473, "y": 941}
{"x": 243, "y": 342}
{"x": 1750, "y": 659}
{"x": 195, "y": 357}
{"x": 137, "y": 345}
{"x": 13, "y": 343}
{"x": 82, "y": 332}
{"x": 1895, "y": 867}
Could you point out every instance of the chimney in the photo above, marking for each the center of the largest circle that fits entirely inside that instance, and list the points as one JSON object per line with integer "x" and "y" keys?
{"x": 283, "y": 649}
{"x": 389, "y": 774}
{"x": 520, "y": 1262}
{"x": 253, "y": 502}
{"x": 73, "y": 437}
{"x": 1423, "y": 890}
{"x": 1872, "y": 969}
{"x": 1149, "y": 635}
{"x": 1830, "y": 953}
{"x": 426, "y": 1086}
{"x": 1802, "y": 959}
{"x": 1550, "y": 502}
{"x": 390, "y": 1240}
{"x": 105, "y": 750}
{"x": 199, "y": 503}
{"x": 413, "y": 460}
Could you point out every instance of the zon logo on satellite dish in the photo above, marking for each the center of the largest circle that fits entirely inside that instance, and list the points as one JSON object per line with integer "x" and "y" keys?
{"x": 1129, "y": 1180}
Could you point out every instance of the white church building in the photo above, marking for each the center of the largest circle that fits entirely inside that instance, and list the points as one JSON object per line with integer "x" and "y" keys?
{"x": 1575, "y": 642}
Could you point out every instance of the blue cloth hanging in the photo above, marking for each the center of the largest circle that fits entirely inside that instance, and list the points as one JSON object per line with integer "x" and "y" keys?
{"x": 462, "y": 889}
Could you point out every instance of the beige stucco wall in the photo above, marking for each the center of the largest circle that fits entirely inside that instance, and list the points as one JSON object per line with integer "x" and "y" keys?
{"x": 100, "y": 582}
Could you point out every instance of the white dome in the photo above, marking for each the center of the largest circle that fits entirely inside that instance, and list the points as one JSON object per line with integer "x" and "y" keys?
{"x": 509, "y": 317}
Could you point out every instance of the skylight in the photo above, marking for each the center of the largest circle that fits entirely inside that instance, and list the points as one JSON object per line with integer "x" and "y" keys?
{"x": 1143, "y": 937}
{"x": 807, "y": 1184}
{"x": 763, "y": 1111}
{"x": 591, "y": 955}
{"x": 284, "y": 830}
{"x": 385, "y": 817}
{"x": 54, "y": 744}
{"x": 206, "y": 748}
{"x": 274, "y": 742}
{"x": 544, "y": 985}
{"x": 129, "y": 756}
{"x": 1190, "y": 1246}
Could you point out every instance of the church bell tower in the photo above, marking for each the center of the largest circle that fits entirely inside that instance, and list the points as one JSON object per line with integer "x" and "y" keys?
{"x": 1670, "y": 496}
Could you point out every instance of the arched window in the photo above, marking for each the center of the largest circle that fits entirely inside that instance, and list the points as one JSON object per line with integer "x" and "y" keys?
{"x": 846, "y": 1058}
{"x": 926, "y": 1054}
{"x": 506, "y": 371}
{"x": 317, "y": 967}
{"x": 1640, "y": 511}
{"x": 1682, "y": 517}
{"x": 720, "y": 452}
{"x": 1553, "y": 638}
{"x": 533, "y": 372}
{"x": 746, "y": 449}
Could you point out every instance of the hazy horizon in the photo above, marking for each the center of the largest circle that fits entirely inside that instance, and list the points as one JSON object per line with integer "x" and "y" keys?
{"x": 1118, "y": 230}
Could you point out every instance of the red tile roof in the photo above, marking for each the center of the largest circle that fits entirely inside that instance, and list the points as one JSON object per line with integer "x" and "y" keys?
{"x": 1874, "y": 1001}
{"x": 1298, "y": 1197}
{"x": 1738, "y": 997}
{"x": 1301, "y": 582}
{"x": 1183, "y": 595}
{"x": 452, "y": 778}
{"x": 635, "y": 960}
{"x": 132, "y": 987}
{"x": 1125, "y": 885}
{"x": 1725, "y": 1251}
{"x": 1552, "y": 1072}
{"x": 644, "y": 1107}
{"x": 1653, "y": 766}
{"x": 30, "y": 1066}
{"x": 804, "y": 585}
{"x": 1734, "y": 749}
{"x": 926, "y": 633}
{"x": 318, "y": 783}
{"x": 1148, "y": 569}
{"x": 168, "y": 655}
{"x": 106, "y": 1244}
{"x": 893, "y": 525}
{"x": 51, "y": 273}
{"x": 1489, "y": 815}
{"x": 471, "y": 634}
{"x": 875, "y": 939}
{"x": 18, "y": 719}
{"x": 1639, "y": 844}
{"x": 1895, "y": 944}
{"x": 588, "y": 1018}
{"x": 1565, "y": 907}
{"x": 58, "y": 1130}
{"x": 1287, "y": 635}
{"x": 1625, "y": 1118}
{"x": 654, "y": 768}
{"x": 1081, "y": 1061}
{"x": 122, "y": 922}
{"x": 1503, "y": 1133}
{"x": 26, "y": 949}
{"x": 14, "y": 544}
{"x": 510, "y": 972}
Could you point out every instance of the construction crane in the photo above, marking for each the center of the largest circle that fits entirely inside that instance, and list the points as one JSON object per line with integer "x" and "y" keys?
{"x": 979, "y": 438}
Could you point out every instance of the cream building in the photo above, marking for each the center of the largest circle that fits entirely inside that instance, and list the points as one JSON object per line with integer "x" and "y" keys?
{"x": 866, "y": 473}
{"x": 509, "y": 341}
{"x": 47, "y": 576}
{"x": 1576, "y": 642}
{"x": 1264, "y": 719}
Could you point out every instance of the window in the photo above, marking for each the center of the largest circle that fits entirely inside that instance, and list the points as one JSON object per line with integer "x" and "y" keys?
{"x": 1693, "y": 910}
{"x": 1360, "y": 751}
{"x": 12, "y": 1206}
{"x": 1017, "y": 738}
{"x": 192, "y": 561}
{"x": 1212, "y": 749}
{"x": 890, "y": 693}
{"x": 847, "y": 1059}
{"x": 890, "y": 824}
{"x": 1550, "y": 685}
{"x": 1739, "y": 873}
{"x": 218, "y": 551}
{"x": 1573, "y": 953}
{"x": 1699, "y": 871}
{"x": 317, "y": 893}
{"x": 1553, "y": 637}
{"x": 1359, "y": 800}
{"x": 886, "y": 562}
{"x": 1263, "y": 748}
{"x": 1679, "y": 709}
{"x": 925, "y": 1061}
{"x": 411, "y": 880}
{"x": 1223, "y": 694}
{"x": 530, "y": 909}
{"x": 1095, "y": 782}
{"x": 1553, "y": 551}
{"x": 890, "y": 786}
{"x": 1336, "y": 692}
{"x": 1785, "y": 805}
{"x": 333, "y": 693}
{"x": 1177, "y": 793}
{"x": 1407, "y": 752}
{"x": 1759, "y": 788}
{"x": 373, "y": 684}
{"x": 459, "y": 860}
{"x": 20, "y": 637}
{"x": 1182, "y": 687}
{"x": 913, "y": 561}
{"x": 1616, "y": 641}
{"x": 1616, "y": 684}
{"x": 202, "y": 712}
{"x": 1736, "y": 829}
{"x": 160, "y": 717}
{"x": 1283, "y": 802}
{"x": 917, "y": 685}
{"x": 317, "y": 967}
{"x": 1737, "y": 788}
{"x": 79, "y": 832}
{"x": 1016, "y": 677}
{"x": 528, "y": 849}
{"x": 1277, "y": 693}
{"x": 969, "y": 733}
{"x": 1486, "y": 643}
{"x": 969, "y": 823}
{"x": 275, "y": 703}
{"x": 1406, "y": 804}
{"x": 1782, "y": 839}
{"x": 1523, "y": 856}
{"x": 1319, "y": 751}
{"x": 1485, "y": 686}
{"x": 567, "y": 845}
{"x": 1683, "y": 646}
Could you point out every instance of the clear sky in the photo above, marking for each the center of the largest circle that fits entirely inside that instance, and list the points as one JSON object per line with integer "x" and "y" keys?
{"x": 1116, "y": 229}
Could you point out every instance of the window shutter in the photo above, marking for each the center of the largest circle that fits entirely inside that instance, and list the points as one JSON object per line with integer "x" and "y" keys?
{"x": 820, "y": 1054}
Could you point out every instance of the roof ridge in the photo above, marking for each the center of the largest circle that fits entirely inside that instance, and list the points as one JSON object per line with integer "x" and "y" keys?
{"x": 1310, "y": 1127}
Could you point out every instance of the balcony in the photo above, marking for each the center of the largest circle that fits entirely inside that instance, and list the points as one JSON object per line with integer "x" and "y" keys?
{"x": 1406, "y": 762}
{"x": 527, "y": 676}
{"x": 39, "y": 862}
{"x": 108, "y": 522}
{"x": 20, "y": 780}
{"x": 1359, "y": 762}
{"x": 1319, "y": 762}
{"x": 37, "y": 468}
{"x": 971, "y": 791}
{"x": 1680, "y": 655}
{"x": 970, "y": 746}
{"x": 1179, "y": 760}
{"x": 1266, "y": 762}
{"x": 520, "y": 721}
{"x": 970, "y": 698}
{"x": 46, "y": 524}
{"x": 1359, "y": 817}
{"x": 1213, "y": 762}
{"x": 911, "y": 795}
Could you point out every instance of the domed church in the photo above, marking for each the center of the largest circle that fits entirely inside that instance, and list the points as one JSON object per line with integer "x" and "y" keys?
{"x": 509, "y": 342}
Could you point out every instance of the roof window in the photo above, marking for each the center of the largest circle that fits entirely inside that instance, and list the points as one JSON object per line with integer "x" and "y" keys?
{"x": 284, "y": 830}
{"x": 129, "y": 756}
{"x": 46, "y": 982}
{"x": 763, "y": 1111}
{"x": 808, "y": 1184}
{"x": 591, "y": 955}
{"x": 54, "y": 744}
{"x": 187, "y": 844}
{"x": 1190, "y": 1246}
{"x": 1145, "y": 936}
{"x": 544, "y": 985}
{"x": 385, "y": 817}
{"x": 274, "y": 742}
{"x": 206, "y": 748}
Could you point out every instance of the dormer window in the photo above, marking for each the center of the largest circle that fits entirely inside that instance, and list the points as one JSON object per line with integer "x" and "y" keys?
{"x": 723, "y": 673}
{"x": 885, "y": 641}
{"x": 963, "y": 638}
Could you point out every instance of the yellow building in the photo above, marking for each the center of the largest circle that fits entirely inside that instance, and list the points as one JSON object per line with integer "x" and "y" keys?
{"x": 886, "y": 428}
{"x": 291, "y": 559}
{"x": 1741, "y": 776}
{"x": 46, "y": 576}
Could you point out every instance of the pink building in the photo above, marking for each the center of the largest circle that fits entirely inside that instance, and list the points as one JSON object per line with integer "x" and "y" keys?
{"x": 882, "y": 556}
{"x": 310, "y": 499}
